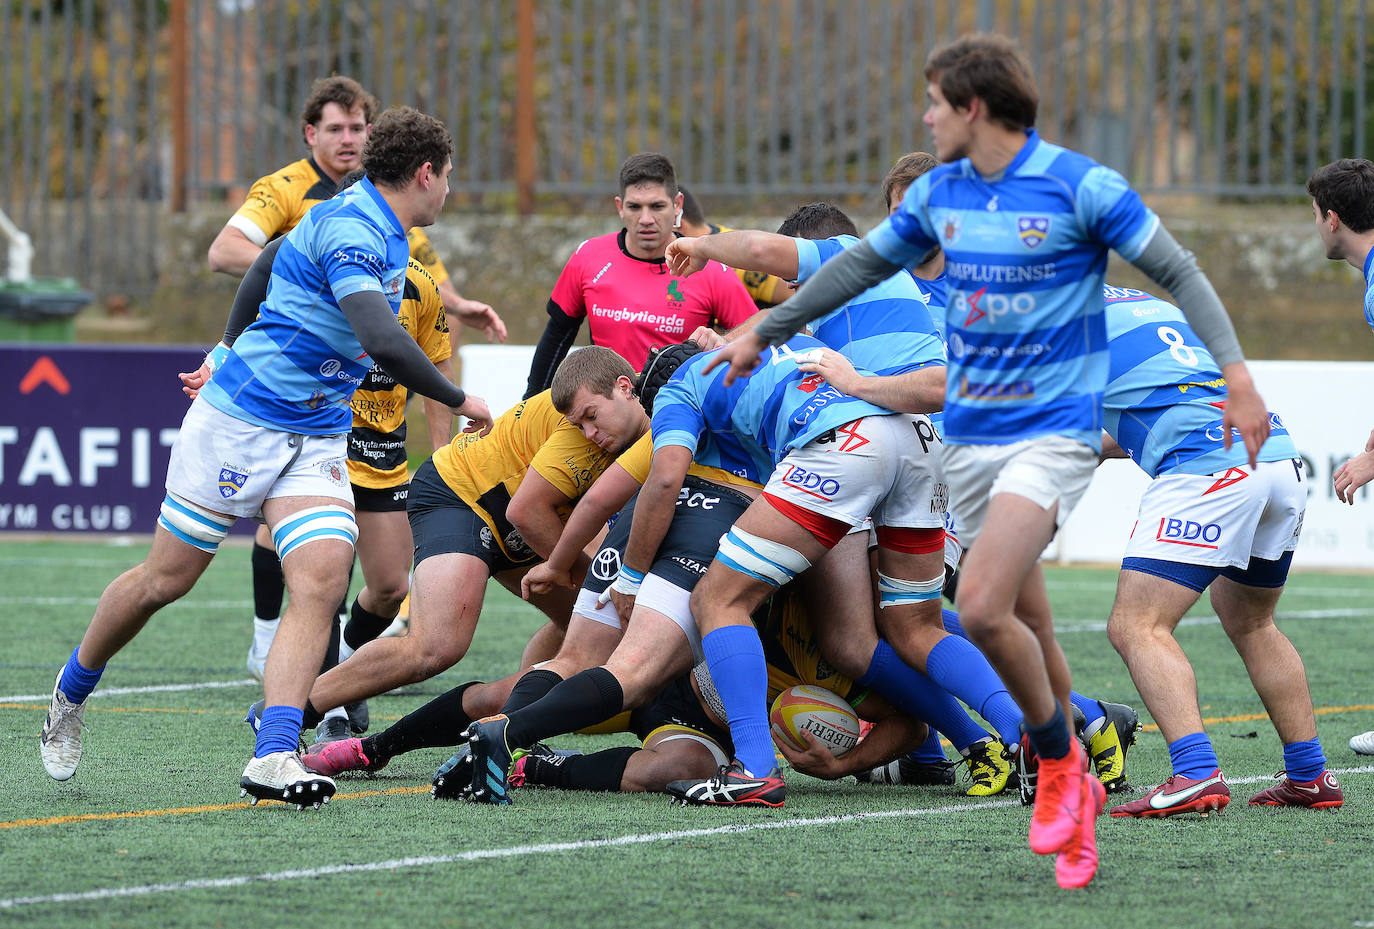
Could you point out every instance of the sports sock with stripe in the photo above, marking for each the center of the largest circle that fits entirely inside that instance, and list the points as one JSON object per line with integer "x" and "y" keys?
{"x": 602, "y": 770}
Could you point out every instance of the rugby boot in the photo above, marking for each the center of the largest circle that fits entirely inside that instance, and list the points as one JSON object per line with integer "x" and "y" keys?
{"x": 1324, "y": 793}
{"x": 990, "y": 766}
{"x": 281, "y": 776}
{"x": 731, "y": 786}
{"x": 60, "y": 741}
{"x": 1180, "y": 794}
{"x": 1059, "y": 801}
{"x": 1108, "y": 746}
{"x": 334, "y": 758}
{"x": 1076, "y": 862}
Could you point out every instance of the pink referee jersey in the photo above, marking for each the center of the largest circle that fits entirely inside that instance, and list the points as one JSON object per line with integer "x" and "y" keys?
{"x": 636, "y": 303}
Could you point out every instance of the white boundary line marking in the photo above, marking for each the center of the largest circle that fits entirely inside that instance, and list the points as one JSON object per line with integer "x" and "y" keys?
{"x": 487, "y": 854}
{"x": 1100, "y": 625}
{"x": 484, "y": 854}
{"x": 151, "y": 689}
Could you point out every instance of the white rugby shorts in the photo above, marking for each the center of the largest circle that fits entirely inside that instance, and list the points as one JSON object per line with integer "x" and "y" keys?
{"x": 229, "y": 466}
{"x": 887, "y": 467}
{"x": 1046, "y": 470}
{"x": 1224, "y": 519}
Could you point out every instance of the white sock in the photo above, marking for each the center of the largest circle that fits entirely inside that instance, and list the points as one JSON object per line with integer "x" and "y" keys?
{"x": 264, "y": 631}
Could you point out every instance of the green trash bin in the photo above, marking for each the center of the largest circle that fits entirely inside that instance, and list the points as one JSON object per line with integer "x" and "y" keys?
{"x": 40, "y": 310}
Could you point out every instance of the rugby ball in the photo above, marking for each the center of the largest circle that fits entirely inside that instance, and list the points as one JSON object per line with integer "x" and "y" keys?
{"x": 822, "y": 713}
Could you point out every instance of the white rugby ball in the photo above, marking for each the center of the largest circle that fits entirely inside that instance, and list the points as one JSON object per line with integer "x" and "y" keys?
{"x": 819, "y": 711}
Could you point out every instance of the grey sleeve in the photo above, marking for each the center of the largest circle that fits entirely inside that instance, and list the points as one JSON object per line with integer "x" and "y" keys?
{"x": 252, "y": 292}
{"x": 1173, "y": 266}
{"x": 839, "y": 280}
{"x": 392, "y": 347}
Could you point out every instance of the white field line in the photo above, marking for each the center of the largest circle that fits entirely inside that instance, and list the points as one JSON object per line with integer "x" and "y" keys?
{"x": 487, "y": 854}
{"x": 151, "y": 689}
{"x": 1100, "y": 625}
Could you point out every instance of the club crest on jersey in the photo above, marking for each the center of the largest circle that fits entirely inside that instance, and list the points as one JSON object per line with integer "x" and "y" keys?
{"x": 953, "y": 225}
{"x": 231, "y": 479}
{"x": 1032, "y": 229}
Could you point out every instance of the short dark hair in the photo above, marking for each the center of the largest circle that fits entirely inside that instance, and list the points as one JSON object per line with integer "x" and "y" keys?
{"x": 691, "y": 208}
{"x": 648, "y": 168}
{"x": 991, "y": 68}
{"x": 594, "y": 367}
{"x": 344, "y": 91}
{"x": 401, "y": 141}
{"x": 1346, "y": 188}
{"x": 909, "y": 167}
{"x": 817, "y": 221}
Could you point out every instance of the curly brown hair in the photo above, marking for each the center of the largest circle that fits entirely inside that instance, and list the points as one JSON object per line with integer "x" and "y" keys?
{"x": 907, "y": 168}
{"x": 401, "y": 141}
{"x": 344, "y": 91}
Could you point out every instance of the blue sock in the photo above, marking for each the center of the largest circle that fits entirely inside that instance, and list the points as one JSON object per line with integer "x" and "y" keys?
{"x": 960, "y": 668}
{"x": 279, "y": 730}
{"x": 1304, "y": 761}
{"x": 919, "y": 696}
{"x": 1050, "y": 740}
{"x": 78, "y": 681}
{"x": 1091, "y": 709}
{"x": 1193, "y": 756}
{"x": 930, "y": 751}
{"x": 734, "y": 656}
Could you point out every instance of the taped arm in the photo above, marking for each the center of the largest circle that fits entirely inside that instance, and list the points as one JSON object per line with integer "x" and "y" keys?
{"x": 1175, "y": 268}
{"x": 559, "y": 334}
{"x": 839, "y": 280}
{"x": 382, "y": 337}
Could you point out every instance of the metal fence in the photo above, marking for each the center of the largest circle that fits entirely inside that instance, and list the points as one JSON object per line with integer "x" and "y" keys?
{"x": 750, "y": 98}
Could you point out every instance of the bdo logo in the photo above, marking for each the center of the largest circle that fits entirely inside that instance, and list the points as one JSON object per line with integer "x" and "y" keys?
{"x": 1188, "y": 532}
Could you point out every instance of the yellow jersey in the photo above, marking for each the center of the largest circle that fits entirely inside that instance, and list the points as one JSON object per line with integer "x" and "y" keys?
{"x": 377, "y": 444}
{"x": 486, "y": 471}
{"x": 638, "y": 457}
{"x": 276, "y": 203}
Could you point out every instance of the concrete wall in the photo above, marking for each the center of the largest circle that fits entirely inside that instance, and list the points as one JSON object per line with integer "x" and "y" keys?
{"x": 1288, "y": 300}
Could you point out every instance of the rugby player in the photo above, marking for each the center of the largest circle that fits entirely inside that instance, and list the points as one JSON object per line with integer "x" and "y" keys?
{"x": 1343, "y": 205}
{"x": 266, "y": 435}
{"x": 1025, "y": 227}
{"x": 1208, "y": 521}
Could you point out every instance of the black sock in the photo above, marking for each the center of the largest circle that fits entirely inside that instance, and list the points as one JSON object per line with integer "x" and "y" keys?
{"x": 331, "y": 651}
{"x": 312, "y": 716}
{"x": 533, "y": 685}
{"x": 343, "y": 604}
{"x": 363, "y": 626}
{"x": 599, "y": 771}
{"x": 439, "y": 723}
{"x": 585, "y": 699}
{"x": 269, "y": 587}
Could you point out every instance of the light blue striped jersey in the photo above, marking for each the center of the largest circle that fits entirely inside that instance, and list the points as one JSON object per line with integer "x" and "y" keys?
{"x": 296, "y": 367}
{"x": 1165, "y": 394}
{"x": 1025, "y": 259}
{"x": 886, "y": 329}
{"x": 1369, "y": 288}
{"x": 749, "y": 427}
{"x": 936, "y": 297}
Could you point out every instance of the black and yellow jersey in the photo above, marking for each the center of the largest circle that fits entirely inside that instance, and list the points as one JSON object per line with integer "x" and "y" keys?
{"x": 791, "y": 651}
{"x": 638, "y": 458}
{"x": 485, "y": 471}
{"x": 377, "y": 444}
{"x": 276, "y": 203}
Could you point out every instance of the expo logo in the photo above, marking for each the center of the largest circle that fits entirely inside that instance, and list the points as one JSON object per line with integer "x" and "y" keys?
{"x": 1187, "y": 532}
{"x": 993, "y": 306}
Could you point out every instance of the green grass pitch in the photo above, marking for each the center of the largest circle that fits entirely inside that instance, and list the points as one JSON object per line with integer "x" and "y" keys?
{"x": 152, "y": 832}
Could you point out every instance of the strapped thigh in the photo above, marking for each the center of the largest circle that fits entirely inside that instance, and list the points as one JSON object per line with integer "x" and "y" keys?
{"x": 314, "y": 524}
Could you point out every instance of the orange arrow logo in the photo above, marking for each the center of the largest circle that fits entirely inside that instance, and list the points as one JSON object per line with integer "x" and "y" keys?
{"x": 44, "y": 371}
